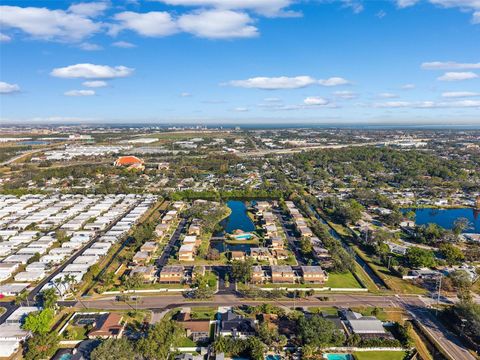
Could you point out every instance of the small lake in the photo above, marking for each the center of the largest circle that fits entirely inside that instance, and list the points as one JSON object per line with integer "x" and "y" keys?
{"x": 238, "y": 219}
{"x": 446, "y": 217}
{"x": 221, "y": 246}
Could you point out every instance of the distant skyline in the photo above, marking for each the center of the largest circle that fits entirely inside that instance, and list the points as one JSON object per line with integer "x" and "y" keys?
{"x": 340, "y": 62}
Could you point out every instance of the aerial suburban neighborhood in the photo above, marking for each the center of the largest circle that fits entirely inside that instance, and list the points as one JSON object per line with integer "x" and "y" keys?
{"x": 239, "y": 180}
{"x": 255, "y": 256}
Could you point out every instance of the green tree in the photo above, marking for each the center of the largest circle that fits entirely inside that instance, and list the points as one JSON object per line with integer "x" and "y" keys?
{"x": 460, "y": 225}
{"x": 256, "y": 348}
{"x": 319, "y": 332}
{"x": 41, "y": 346}
{"x": 49, "y": 298}
{"x": 114, "y": 349}
{"x": 39, "y": 322}
{"x": 306, "y": 247}
{"x": 451, "y": 253}
{"x": 242, "y": 270}
{"x": 158, "y": 340}
{"x": 418, "y": 257}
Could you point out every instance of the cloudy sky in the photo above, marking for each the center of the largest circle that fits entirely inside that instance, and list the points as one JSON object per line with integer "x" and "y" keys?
{"x": 324, "y": 61}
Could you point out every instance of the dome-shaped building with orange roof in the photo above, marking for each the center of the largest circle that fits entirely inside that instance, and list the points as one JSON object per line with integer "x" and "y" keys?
{"x": 128, "y": 161}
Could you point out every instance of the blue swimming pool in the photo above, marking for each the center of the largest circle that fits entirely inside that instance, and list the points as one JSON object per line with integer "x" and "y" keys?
{"x": 339, "y": 356}
{"x": 273, "y": 357}
{"x": 66, "y": 357}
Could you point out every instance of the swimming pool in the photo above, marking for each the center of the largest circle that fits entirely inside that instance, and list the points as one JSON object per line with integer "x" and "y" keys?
{"x": 65, "y": 356}
{"x": 243, "y": 237}
{"x": 273, "y": 357}
{"x": 338, "y": 357}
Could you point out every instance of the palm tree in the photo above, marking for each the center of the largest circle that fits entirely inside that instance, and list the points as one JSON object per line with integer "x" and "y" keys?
{"x": 20, "y": 298}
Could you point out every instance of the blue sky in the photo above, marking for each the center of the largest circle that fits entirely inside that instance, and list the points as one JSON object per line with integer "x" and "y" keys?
{"x": 239, "y": 61}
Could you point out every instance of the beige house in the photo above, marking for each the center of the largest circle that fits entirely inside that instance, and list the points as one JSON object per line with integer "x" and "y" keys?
{"x": 258, "y": 275}
{"x": 282, "y": 274}
{"x": 172, "y": 274}
{"x": 314, "y": 274}
{"x": 186, "y": 252}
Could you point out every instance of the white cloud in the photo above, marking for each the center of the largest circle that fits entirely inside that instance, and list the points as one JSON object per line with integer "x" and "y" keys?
{"x": 392, "y": 104}
{"x": 408, "y": 86}
{"x": 465, "y": 103}
{"x": 123, "y": 44}
{"x": 95, "y": 83}
{"x": 4, "y": 38}
{"x": 458, "y": 76}
{"x": 6, "y": 88}
{"x": 463, "y": 5}
{"x": 476, "y": 17}
{"x": 285, "y": 82}
{"x": 264, "y": 7}
{"x": 154, "y": 23}
{"x": 80, "y": 93}
{"x": 406, "y": 3}
{"x": 272, "y": 100}
{"x": 218, "y": 24}
{"x": 459, "y": 94}
{"x": 387, "y": 95}
{"x": 91, "y": 9}
{"x": 315, "y": 101}
{"x": 449, "y": 65}
{"x": 92, "y": 71}
{"x": 89, "y": 46}
{"x": 429, "y": 104}
{"x": 275, "y": 83}
{"x": 46, "y": 24}
{"x": 333, "y": 81}
{"x": 345, "y": 94}
{"x": 185, "y": 94}
{"x": 241, "y": 109}
{"x": 355, "y": 5}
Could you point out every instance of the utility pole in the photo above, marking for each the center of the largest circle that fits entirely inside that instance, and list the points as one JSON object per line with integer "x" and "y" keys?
{"x": 438, "y": 295}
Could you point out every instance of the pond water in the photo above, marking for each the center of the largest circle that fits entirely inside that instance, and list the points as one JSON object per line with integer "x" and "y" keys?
{"x": 446, "y": 217}
{"x": 223, "y": 247}
{"x": 238, "y": 219}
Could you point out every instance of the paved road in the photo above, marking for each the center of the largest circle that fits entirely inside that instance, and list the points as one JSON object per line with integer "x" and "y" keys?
{"x": 38, "y": 288}
{"x": 413, "y": 304}
{"x": 448, "y": 341}
{"x": 162, "y": 302}
{"x": 292, "y": 240}
{"x": 167, "y": 251}
{"x": 31, "y": 296}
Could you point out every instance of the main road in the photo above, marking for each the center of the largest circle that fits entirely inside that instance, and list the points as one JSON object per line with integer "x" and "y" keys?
{"x": 413, "y": 304}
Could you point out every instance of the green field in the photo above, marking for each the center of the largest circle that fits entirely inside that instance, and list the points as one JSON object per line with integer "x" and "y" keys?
{"x": 347, "y": 280}
{"x": 380, "y": 355}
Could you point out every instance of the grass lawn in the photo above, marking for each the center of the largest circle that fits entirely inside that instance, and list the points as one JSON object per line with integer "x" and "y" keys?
{"x": 379, "y": 355}
{"x": 347, "y": 280}
{"x": 326, "y": 310}
{"x": 79, "y": 332}
{"x": 367, "y": 281}
{"x": 395, "y": 283}
{"x": 388, "y": 314}
{"x": 203, "y": 313}
{"x": 186, "y": 342}
{"x": 211, "y": 279}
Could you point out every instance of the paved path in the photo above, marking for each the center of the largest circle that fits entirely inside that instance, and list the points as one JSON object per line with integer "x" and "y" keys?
{"x": 167, "y": 251}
